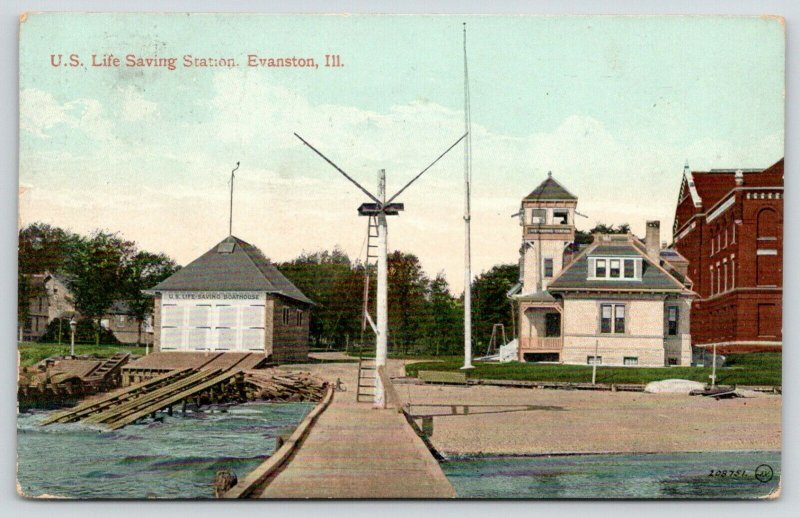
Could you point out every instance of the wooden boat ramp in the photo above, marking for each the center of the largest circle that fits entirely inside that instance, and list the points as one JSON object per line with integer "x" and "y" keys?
{"x": 176, "y": 379}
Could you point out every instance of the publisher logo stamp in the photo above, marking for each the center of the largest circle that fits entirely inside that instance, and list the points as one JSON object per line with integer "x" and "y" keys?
{"x": 764, "y": 473}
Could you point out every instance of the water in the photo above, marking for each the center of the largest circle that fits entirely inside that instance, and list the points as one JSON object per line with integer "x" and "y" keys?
{"x": 176, "y": 458}
{"x": 641, "y": 476}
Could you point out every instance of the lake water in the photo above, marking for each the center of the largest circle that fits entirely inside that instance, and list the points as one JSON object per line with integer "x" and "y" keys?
{"x": 178, "y": 458}
{"x": 175, "y": 458}
{"x": 648, "y": 476}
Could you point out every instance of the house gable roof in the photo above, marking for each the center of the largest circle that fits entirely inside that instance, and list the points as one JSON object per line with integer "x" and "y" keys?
{"x": 550, "y": 189}
{"x": 232, "y": 265}
{"x": 575, "y": 276}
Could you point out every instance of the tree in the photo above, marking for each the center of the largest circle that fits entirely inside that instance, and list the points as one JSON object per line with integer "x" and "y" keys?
{"x": 443, "y": 325}
{"x": 490, "y": 304}
{"x": 41, "y": 248}
{"x": 143, "y": 271}
{"x": 96, "y": 273}
{"x": 407, "y": 289}
{"x": 582, "y": 237}
{"x": 326, "y": 278}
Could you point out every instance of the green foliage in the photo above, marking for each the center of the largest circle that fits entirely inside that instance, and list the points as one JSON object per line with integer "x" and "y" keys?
{"x": 756, "y": 369}
{"x": 87, "y": 331}
{"x": 490, "y": 305}
{"x": 143, "y": 271}
{"x": 99, "y": 270}
{"x": 335, "y": 285}
{"x": 582, "y": 237}
{"x": 32, "y": 353}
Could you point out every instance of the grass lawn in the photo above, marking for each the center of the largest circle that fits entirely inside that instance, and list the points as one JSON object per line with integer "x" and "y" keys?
{"x": 760, "y": 368}
{"x": 32, "y": 353}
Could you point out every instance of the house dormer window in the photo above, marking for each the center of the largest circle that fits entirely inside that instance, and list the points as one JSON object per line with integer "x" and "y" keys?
{"x": 615, "y": 268}
{"x": 600, "y": 268}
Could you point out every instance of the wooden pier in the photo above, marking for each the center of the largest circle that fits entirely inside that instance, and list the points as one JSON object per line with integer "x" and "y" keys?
{"x": 349, "y": 450}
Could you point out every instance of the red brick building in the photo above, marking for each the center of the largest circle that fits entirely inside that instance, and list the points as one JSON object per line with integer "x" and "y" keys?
{"x": 729, "y": 226}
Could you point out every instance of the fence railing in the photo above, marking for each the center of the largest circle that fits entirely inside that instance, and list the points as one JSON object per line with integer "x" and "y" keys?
{"x": 541, "y": 343}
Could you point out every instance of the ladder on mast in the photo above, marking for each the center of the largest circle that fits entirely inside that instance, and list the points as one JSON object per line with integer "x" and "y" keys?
{"x": 366, "y": 365}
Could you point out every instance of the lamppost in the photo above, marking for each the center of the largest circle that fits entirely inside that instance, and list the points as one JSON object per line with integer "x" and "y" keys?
{"x": 72, "y": 326}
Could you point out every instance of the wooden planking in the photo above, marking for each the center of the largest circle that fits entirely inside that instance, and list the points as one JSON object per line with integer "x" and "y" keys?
{"x": 134, "y": 404}
{"x": 91, "y": 406}
{"x": 354, "y": 451}
{"x": 161, "y": 404}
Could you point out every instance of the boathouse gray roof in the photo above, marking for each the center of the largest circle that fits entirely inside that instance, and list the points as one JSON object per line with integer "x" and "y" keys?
{"x": 550, "y": 190}
{"x": 575, "y": 277}
{"x": 232, "y": 265}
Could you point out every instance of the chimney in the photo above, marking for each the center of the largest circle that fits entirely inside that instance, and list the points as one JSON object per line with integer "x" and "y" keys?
{"x": 652, "y": 240}
{"x": 739, "y": 177}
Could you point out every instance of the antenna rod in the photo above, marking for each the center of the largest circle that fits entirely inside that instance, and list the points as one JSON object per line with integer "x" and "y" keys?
{"x": 354, "y": 182}
{"x": 426, "y": 168}
{"x": 230, "y": 215}
{"x": 467, "y": 216}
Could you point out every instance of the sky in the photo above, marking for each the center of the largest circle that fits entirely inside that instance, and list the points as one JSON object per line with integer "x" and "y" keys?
{"x": 613, "y": 106}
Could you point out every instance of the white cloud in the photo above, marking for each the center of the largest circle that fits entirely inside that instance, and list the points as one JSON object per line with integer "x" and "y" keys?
{"x": 135, "y": 107}
{"x": 288, "y": 199}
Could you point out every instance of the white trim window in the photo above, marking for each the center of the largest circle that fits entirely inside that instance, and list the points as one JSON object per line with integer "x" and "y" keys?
{"x": 538, "y": 216}
{"x": 614, "y": 268}
{"x": 286, "y": 315}
{"x": 673, "y": 313}
{"x": 594, "y": 359}
{"x": 612, "y": 318}
{"x": 600, "y": 270}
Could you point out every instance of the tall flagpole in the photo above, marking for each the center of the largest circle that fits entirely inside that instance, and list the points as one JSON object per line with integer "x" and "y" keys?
{"x": 230, "y": 214}
{"x": 467, "y": 245}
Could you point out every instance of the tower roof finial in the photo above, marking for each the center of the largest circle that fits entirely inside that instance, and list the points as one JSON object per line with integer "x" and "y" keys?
{"x": 549, "y": 174}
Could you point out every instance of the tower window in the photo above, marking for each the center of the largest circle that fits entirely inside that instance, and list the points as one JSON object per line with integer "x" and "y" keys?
{"x": 560, "y": 217}
{"x": 548, "y": 268}
{"x": 538, "y": 216}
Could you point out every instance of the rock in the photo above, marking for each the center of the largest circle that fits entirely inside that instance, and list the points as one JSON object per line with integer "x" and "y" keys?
{"x": 673, "y": 386}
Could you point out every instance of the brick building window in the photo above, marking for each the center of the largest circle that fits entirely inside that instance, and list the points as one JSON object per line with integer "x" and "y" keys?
{"x": 769, "y": 320}
{"x": 767, "y": 224}
{"x": 299, "y": 317}
{"x": 286, "y": 315}
{"x": 725, "y": 275}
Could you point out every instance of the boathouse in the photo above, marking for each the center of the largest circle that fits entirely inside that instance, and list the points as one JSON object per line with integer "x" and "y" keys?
{"x": 231, "y": 299}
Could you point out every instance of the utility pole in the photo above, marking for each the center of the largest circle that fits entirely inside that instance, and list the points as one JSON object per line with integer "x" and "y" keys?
{"x": 230, "y": 215}
{"x": 382, "y": 295}
{"x": 467, "y": 217}
{"x": 714, "y": 367}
